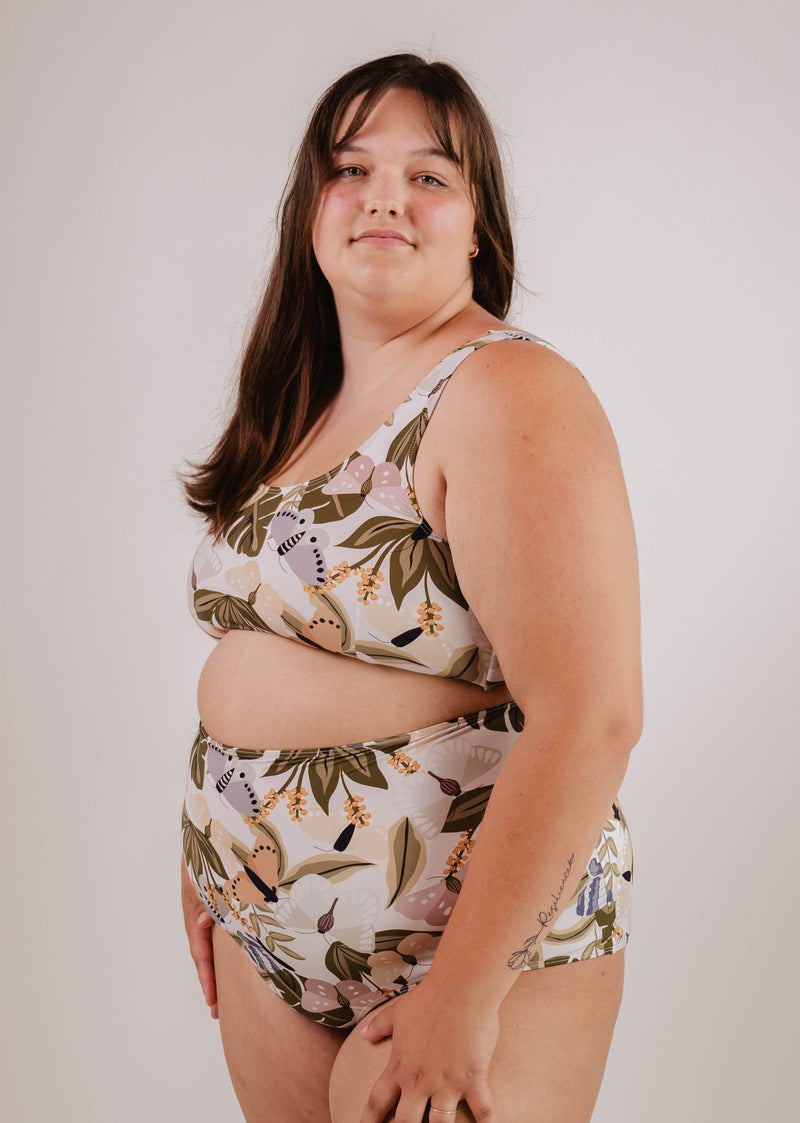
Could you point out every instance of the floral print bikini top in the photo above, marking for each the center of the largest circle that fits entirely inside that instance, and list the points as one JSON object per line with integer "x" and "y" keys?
{"x": 347, "y": 562}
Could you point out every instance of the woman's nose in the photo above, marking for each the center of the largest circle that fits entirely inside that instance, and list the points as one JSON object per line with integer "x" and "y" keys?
{"x": 389, "y": 208}
{"x": 384, "y": 193}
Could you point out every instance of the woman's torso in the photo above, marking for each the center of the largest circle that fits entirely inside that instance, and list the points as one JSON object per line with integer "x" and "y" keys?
{"x": 259, "y": 690}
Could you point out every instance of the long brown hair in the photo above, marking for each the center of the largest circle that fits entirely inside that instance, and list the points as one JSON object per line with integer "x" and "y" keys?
{"x": 292, "y": 365}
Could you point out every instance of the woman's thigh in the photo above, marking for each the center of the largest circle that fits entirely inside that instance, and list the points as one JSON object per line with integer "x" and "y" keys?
{"x": 556, "y": 1026}
{"x": 280, "y": 1062}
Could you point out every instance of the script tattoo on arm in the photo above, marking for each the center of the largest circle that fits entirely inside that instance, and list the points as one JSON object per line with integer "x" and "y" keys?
{"x": 524, "y": 957}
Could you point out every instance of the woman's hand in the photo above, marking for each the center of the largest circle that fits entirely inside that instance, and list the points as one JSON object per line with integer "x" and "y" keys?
{"x": 441, "y": 1048}
{"x": 198, "y": 924}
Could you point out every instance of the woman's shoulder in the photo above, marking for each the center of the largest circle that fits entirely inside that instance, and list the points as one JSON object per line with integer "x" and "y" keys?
{"x": 517, "y": 359}
{"x": 512, "y": 387}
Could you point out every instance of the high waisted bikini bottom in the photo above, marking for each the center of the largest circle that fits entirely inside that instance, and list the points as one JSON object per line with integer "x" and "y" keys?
{"x": 336, "y": 869}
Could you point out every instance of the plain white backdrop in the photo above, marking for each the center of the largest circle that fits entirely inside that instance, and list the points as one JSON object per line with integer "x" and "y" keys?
{"x": 652, "y": 161}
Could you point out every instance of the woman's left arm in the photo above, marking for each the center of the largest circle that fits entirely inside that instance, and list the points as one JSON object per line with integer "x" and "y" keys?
{"x": 540, "y": 528}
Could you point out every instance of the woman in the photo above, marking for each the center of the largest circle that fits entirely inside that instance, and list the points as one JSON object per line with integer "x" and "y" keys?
{"x": 334, "y": 806}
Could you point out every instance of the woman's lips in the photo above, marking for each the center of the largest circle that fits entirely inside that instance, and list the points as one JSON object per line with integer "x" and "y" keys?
{"x": 382, "y": 240}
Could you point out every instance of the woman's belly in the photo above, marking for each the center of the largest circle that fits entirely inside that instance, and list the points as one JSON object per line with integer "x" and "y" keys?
{"x": 259, "y": 691}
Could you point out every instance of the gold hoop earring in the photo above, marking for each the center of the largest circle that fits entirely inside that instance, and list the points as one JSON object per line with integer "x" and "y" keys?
{"x": 474, "y": 253}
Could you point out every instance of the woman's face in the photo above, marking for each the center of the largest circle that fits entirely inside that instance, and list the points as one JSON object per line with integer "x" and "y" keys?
{"x": 387, "y": 183}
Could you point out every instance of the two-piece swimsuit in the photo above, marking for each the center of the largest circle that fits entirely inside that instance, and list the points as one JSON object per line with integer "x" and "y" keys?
{"x": 336, "y": 868}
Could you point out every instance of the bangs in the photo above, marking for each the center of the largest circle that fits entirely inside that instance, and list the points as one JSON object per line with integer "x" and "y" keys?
{"x": 445, "y": 114}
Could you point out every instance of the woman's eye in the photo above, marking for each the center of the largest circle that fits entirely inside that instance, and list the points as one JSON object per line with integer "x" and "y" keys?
{"x": 352, "y": 168}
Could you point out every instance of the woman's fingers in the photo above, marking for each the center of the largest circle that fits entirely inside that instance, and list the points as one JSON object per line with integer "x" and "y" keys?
{"x": 199, "y": 927}
{"x": 203, "y": 955}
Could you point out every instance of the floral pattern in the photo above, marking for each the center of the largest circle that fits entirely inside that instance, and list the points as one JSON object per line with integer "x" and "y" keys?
{"x": 336, "y": 868}
{"x": 347, "y": 561}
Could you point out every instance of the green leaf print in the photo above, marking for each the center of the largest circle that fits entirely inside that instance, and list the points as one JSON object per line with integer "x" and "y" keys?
{"x": 408, "y": 564}
{"x": 442, "y": 572}
{"x": 345, "y": 962}
{"x": 226, "y": 611}
{"x": 409, "y": 556}
{"x": 288, "y": 985}
{"x": 249, "y": 754}
{"x": 249, "y": 532}
{"x": 405, "y": 445}
{"x": 323, "y": 778}
{"x": 329, "y": 508}
{"x": 388, "y": 654}
{"x": 465, "y": 664}
{"x": 241, "y": 851}
{"x": 497, "y": 721}
{"x": 556, "y": 961}
{"x": 387, "y": 939}
{"x": 197, "y": 760}
{"x": 286, "y": 761}
{"x": 416, "y": 558}
{"x": 201, "y": 857}
{"x": 605, "y": 919}
{"x": 326, "y": 865}
{"x": 380, "y": 530}
{"x": 467, "y": 810}
{"x": 325, "y": 769}
{"x": 406, "y": 859}
{"x": 516, "y": 717}
{"x": 362, "y": 768}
